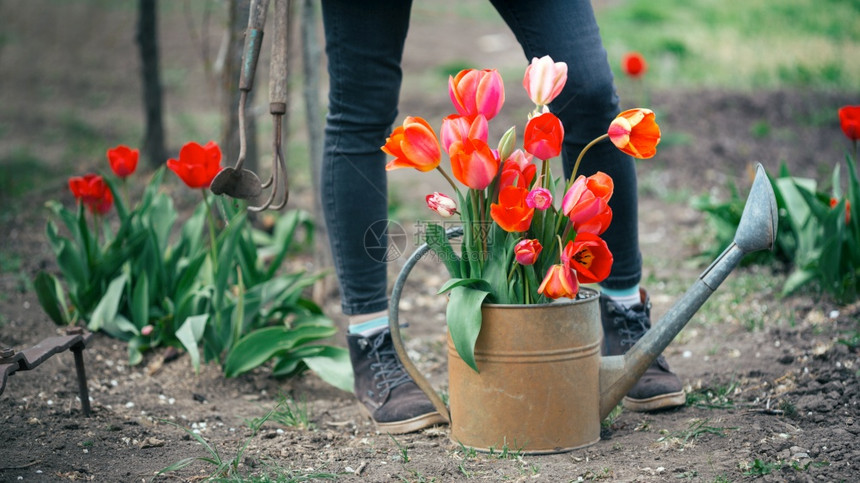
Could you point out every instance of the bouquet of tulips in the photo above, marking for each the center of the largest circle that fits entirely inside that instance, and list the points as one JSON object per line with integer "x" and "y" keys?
{"x": 520, "y": 244}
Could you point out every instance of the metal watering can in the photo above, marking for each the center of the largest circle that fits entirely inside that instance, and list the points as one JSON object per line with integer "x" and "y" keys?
{"x": 575, "y": 387}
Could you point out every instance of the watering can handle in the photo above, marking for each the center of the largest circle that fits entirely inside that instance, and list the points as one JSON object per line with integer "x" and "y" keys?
{"x": 394, "y": 326}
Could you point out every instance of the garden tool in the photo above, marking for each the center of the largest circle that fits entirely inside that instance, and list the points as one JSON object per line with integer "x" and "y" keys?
{"x": 241, "y": 183}
{"x": 600, "y": 382}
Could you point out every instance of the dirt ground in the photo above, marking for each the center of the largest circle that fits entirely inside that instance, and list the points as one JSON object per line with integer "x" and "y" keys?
{"x": 776, "y": 396}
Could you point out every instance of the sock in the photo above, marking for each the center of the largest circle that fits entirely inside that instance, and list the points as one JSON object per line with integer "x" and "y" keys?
{"x": 626, "y": 297}
{"x": 368, "y": 324}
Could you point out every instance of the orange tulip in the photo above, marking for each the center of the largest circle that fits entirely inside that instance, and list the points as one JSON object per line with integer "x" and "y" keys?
{"x": 543, "y": 136}
{"x": 633, "y": 64}
{"x": 511, "y": 212}
{"x": 475, "y": 92}
{"x": 635, "y": 132}
{"x": 413, "y": 145}
{"x": 560, "y": 281}
{"x": 473, "y": 163}
{"x": 589, "y": 256}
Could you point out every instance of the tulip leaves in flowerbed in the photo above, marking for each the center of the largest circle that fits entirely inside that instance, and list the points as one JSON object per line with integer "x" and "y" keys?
{"x": 819, "y": 232}
{"x": 213, "y": 287}
{"x": 518, "y": 246}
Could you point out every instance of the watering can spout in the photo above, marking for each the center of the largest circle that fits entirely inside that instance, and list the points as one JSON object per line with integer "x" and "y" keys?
{"x": 756, "y": 231}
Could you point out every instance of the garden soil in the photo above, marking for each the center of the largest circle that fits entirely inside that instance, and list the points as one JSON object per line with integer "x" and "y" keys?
{"x": 775, "y": 394}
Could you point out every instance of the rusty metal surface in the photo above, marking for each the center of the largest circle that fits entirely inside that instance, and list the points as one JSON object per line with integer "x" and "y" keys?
{"x": 28, "y": 359}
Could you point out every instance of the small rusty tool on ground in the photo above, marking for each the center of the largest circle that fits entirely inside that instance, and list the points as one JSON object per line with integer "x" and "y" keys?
{"x": 242, "y": 183}
{"x": 75, "y": 340}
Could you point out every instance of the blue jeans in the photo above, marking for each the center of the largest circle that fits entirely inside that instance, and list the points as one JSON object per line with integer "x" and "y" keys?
{"x": 364, "y": 44}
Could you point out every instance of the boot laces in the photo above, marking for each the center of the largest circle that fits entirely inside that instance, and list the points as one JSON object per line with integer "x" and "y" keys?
{"x": 634, "y": 325}
{"x": 387, "y": 367}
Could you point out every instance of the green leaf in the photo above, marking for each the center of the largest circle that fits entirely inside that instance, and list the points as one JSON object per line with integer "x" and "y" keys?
{"x": 140, "y": 301}
{"x": 463, "y": 282}
{"x": 106, "y": 310}
{"x": 51, "y": 297}
{"x": 797, "y": 279}
{"x": 333, "y": 366}
{"x": 464, "y": 321}
{"x": 261, "y": 345}
{"x": 190, "y": 333}
{"x": 437, "y": 240}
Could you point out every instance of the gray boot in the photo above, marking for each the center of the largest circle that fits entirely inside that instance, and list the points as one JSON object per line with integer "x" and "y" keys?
{"x": 658, "y": 388}
{"x": 386, "y": 392}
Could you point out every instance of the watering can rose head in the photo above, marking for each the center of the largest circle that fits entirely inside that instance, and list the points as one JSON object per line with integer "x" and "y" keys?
{"x": 521, "y": 244}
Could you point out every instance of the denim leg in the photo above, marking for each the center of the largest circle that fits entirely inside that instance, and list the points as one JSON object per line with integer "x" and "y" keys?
{"x": 364, "y": 45}
{"x": 566, "y": 30}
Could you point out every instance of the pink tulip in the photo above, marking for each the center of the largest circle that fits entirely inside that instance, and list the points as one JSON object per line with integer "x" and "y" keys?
{"x": 457, "y": 128}
{"x": 441, "y": 204}
{"x": 544, "y": 79}
{"x": 539, "y": 198}
{"x": 475, "y": 92}
{"x": 526, "y": 252}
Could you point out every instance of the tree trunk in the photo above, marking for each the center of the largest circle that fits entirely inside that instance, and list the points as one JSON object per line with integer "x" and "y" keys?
{"x": 237, "y": 23}
{"x": 147, "y": 39}
{"x": 311, "y": 60}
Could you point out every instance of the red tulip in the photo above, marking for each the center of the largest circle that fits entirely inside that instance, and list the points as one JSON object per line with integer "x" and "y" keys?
{"x": 93, "y": 192}
{"x": 511, "y": 212}
{"x": 441, "y": 204}
{"x": 526, "y": 252}
{"x": 457, "y": 128}
{"x": 544, "y": 79}
{"x": 413, "y": 145}
{"x": 589, "y": 256}
{"x": 635, "y": 132}
{"x": 518, "y": 169}
{"x": 197, "y": 165}
{"x": 473, "y": 163}
{"x": 123, "y": 160}
{"x": 560, "y": 281}
{"x": 475, "y": 92}
{"x": 849, "y": 120}
{"x": 633, "y": 64}
{"x": 543, "y": 136}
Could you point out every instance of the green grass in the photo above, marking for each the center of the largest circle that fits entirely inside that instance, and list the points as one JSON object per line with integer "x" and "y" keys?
{"x": 737, "y": 43}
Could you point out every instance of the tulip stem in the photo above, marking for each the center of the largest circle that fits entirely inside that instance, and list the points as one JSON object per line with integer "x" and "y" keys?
{"x": 581, "y": 155}
{"x": 448, "y": 178}
{"x": 211, "y": 231}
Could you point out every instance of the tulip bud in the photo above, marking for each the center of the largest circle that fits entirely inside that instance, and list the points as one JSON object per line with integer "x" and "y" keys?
{"x": 507, "y": 143}
{"x": 526, "y": 252}
{"x": 146, "y": 330}
{"x": 441, "y": 204}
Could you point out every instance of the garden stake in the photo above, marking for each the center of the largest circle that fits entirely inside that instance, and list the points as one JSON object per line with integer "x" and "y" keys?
{"x": 482, "y": 419}
{"x": 237, "y": 182}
